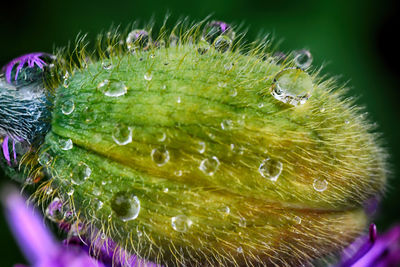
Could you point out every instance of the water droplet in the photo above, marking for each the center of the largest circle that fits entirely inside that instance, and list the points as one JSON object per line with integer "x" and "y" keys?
{"x": 65, "y": 144}
{"x": 203, "y": 47}
{"x": 216, "y": 28}
{"x": 165, "y": 190}
{"x": 148, "y": 76}
{"x": 233, "y": 93}
{"x": 173, "y": 40}
{"x": 181, "y": 223}
{"x": 103, "y": 236}
{"x": 112, "y": 88}
{"x": 122, "y": 134}
{"x": 320, "y": 184}
{"x": 164, "y": 87}
{"x": 223, "y": 43}
{"x": 70, "y": 192}
{"x": 270, "y": 169}
{"x": 66, "y": 80}
{"x": 346, "y": 122}
{"x": 45, "y": 159}
{"x": 260, "y": 105}
{"x": 68, "y": 107}
{"x": 160, "y": 156}
{"x": 225, "y": 210}
{"x": 107, "y": 65}
{"x": 138, "y": 39}
{"x": 178, "y": 173}
{"x": 228, "y": 66}
{"x": 322, "y": 110}
{"x": 125, "y": 205}
{"x": 98, "y": 204}
{"x": 202, "y": 147}
{"x": 221, "y": 84}
{"x": 210, "y": 165}
{"x": 303, "y": 58}
{"x": 178, "y": 100}
{"x": 292, "y": 86}
{"x": 80, "y": 173}
{"x": 297, "y": 219}
{"x": 55, "y": 210}
{"x": 239, "y": 250}
{"x": 242, "y": 222}
{"x": 226, "y": 124}
{"x": 163, "y": 137}
{"x": 237, "y": 149}
{"x": 139, "y": 233}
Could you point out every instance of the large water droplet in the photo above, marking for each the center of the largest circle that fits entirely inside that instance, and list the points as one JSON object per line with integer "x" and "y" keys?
{"x": 320, "y": 184}
{"x": 160, "y": 156}
{"x": 303, "y": 59}
{"x": 65, "y": 144}
{"x": 55, "y": 211}
{"x": 125, "y": 205}
{"x": 112, "y": 88}
{"x": 223, "y": 43}
{"x": 68, "y": 107}
{"x": 122, "y": 134}
{"x": 80, "y": 173}
{"x": 270, "y": 169}
{"x": 210, "y": 165}
{"x": 292, "y": 86}
{"x": 138, "y": 39}
{"x": 203, "y": 47}
{"x": 181, "y": 223}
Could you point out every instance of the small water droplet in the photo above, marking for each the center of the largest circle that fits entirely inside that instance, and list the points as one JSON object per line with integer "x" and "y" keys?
{"x": 320, "y": 184}
{"x": 223, "y": 43}
{"x": 125, "y": 205}
{"x": 65, "y": 144}
{"x": 122, "y": 134}
{"x": 68, "y": 107}
{"x": 164, "y": 87}
{"x": 292, "y": 86}
{"x": 107, "y": 65}
{"x": 66, "y": 80}
{"x": 260, "y": 105}
{"x": 103, "y": 236}
{"x": 202, "y": 147}
{"x": 233, "y": 93}
{"x": 228, "y": 66}
{"x": 138, "y": 39}
{"x": 239, "y": 250}
{"x": 242, "y": 222}
{"x": 70, "y": 192}
{"x": 181, "y": 223}
{"x": 55, "y": 211}
{"x": 165, "y": 190}
{"x": 209, "y": 166}
{"x": 178, "y": 100}
{"x": 178, "y": 173}
{"x": 173, "y": 40}
{"x": 225, "y": 210}
{"x": 270, "y": 169}
{"x": 322, "y": 110}
{"x": 303, "y": 58}
{"x": 160, "y": 156}
{"x": 148, "y": 76}
{"x": 346, "y": 122}
{"x": 45, "y": 159}
{"x": 221, "y": 84}
{"x": 163, "y": 137}
{"x": 226, "y": 124}
{"x": 214, "y": 29}
{"x": 297, "y": 219}
{"x": 112, "y": 88}
{"x": 203, "y": 47}
{"x": 98, "y": 204}
{"x": 80, "y": 173}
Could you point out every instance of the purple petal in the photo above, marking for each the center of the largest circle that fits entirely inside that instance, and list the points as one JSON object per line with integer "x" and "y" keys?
{"x": 14, "y": 152}
{"x": 6, "y": 151}
{"x": 33, "y": 237}
{"x": 385, "y": 251}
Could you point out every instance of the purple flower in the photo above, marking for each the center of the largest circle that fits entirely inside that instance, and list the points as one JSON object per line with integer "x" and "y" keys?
{"x": 42, "y": 250}
{"x": 373, "y": 250}
{"x": 30, "y": 59}
{"x": 36, "y": 241}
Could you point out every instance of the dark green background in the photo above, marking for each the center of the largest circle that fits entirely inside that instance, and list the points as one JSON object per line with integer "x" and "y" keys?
{"x": 355, "y": 38}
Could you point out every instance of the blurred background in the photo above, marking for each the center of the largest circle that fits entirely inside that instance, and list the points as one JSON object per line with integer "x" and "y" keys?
{"x": 353, "y": 39}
